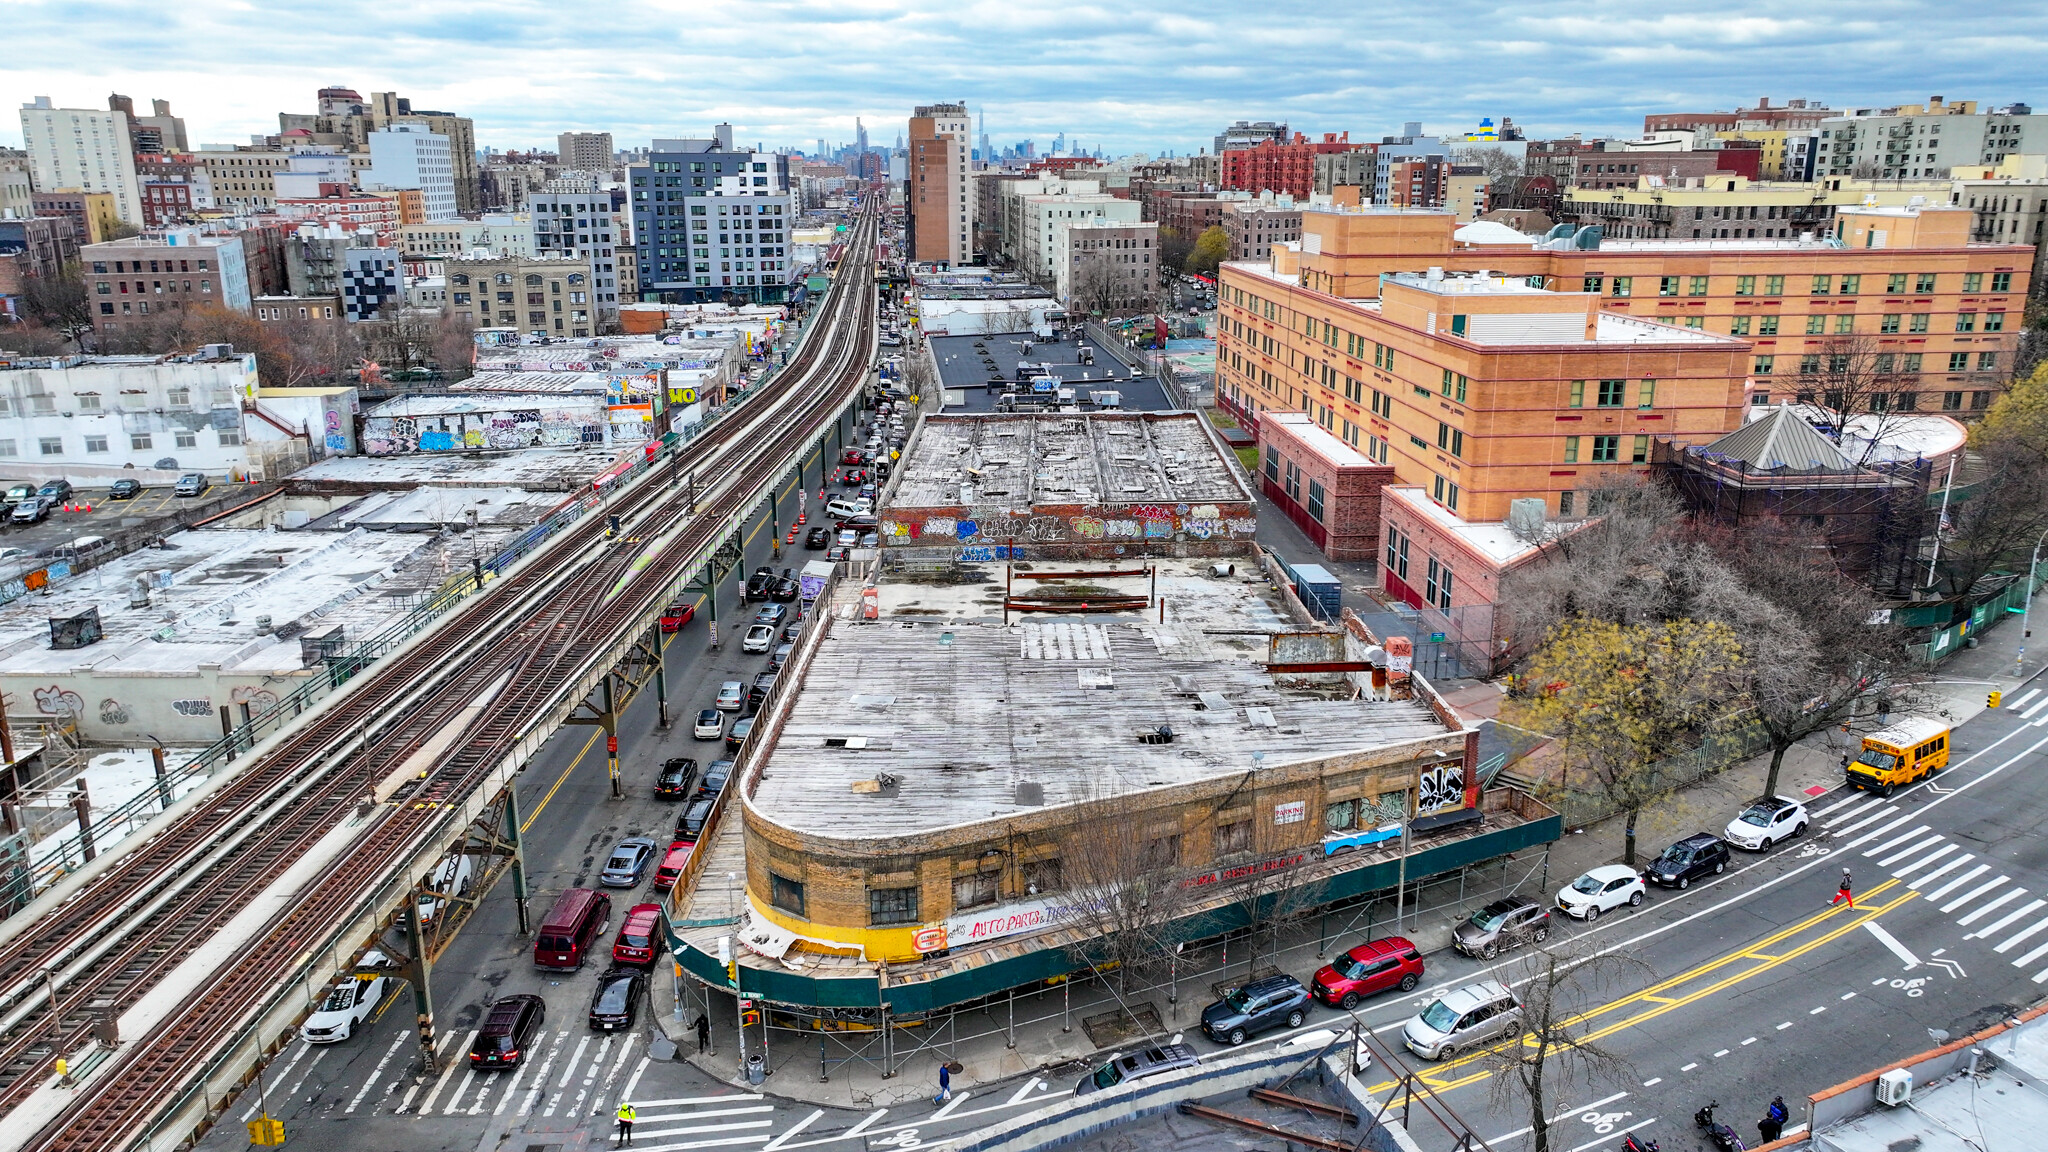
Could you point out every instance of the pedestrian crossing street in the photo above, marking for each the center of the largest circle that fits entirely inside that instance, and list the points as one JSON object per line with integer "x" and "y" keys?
{"x": 1986, "y": 903}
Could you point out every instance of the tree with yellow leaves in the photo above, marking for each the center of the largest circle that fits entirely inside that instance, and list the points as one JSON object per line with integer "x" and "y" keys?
{"x": 1618, "y": 698}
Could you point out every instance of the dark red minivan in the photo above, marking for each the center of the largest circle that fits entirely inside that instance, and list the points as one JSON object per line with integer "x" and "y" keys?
{"x": 578, "y": 918}
{"x": 1370, "y": 968}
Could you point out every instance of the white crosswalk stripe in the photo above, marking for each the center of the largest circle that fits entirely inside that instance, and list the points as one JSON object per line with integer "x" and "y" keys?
{"x": 2002, "y": 899}
{"x": 1907, "y": 853}
{"x": 1959, "y": 881}
{"x": 1852, "y": 798}
{"x": 1929, "y": 878}
{"x": 2028, "y": 695}
{"x": 2021, "y": 936}
{"x": 1895, "y": 841}
{"x": 1862, "y": 816}
{"x": 1999, "y": 924}
{"x": 2030, "y": 957}
{"x": 2037, "y": 709}
{"x": 1972, "y": 894}
{"x": 1904, "y": 870}
{"x": 1881, "y": 830}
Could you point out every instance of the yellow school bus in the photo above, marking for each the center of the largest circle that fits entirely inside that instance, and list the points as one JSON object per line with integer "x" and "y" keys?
{"x": 1899, "y": 755}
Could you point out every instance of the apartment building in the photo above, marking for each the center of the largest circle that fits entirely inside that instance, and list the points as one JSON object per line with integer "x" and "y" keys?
{"x": 1254, "y": 226}
{"x": 92, "y": 214}
{"x": 710, "y": 222}
{"x": 1281, "y": 167}
{"x": 408, "y": 154}
{"x": 1032, "y": 217}
{"x": 1728, "y": 206}
{"x": 2009, "y": 203}
{"x": 86, "y": 148}
{"x": 1559, "y": 362}
{"x": 939, "y": 221}
{"x": 1926, "y": 140}
{"x": 1105, "y": 266}
{"x": 130, "y": 280}
{"x": 1346, "y": 169}
{"x": 585, "y": 151}
{"x": 553, "y": 295}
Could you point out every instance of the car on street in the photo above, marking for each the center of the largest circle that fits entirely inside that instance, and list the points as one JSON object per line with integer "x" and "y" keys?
{"x": 616, "y": 999}
{"x": 671, "y": 867}
{"x": 853, "y": 456}
{"x": 759, "y": 638}
{"x": 1701, "y": 854}
{"x": 780, "y": 656}
{"x": 772, "y": 615}
{"x": 786, "y": 587}
{"x": 628, "y": 863}
{"x": 1508, "y": 922}
{"x": 793, "y": 631}
{"x": 450, "y": 878}
{"x": 1367, "y": 970}
{"x": 714, "y": 780}
{"x": 56, "y": 491}
{"x": 30, "y": 511}
{"x": 731, "y": 695}
{"x": 1258, "y": 1006}
{"x": 507, "y": 1029}
{"x": 676, "y": 615}
{"x": 710, "y": 725}
{"x": 690, "y": 825}
{"x": 838, "y": 552}
{"x": 1768, "y": 820}
{"x": 125, "y": 490}
{"x": 190, "y": 484}
{"x": 737, "y": 737}
{"x": 348, "y": 1003}
{"x": 1603, "y": 889}
{"x": 818, "y": 538}
{"x": 678, "y": 773}
{"x": 848, "y": 538}
{"x": 1137, "y": 1065}
{"x": 760, "y": 582}
{"x": 1462, "y": 1019}
{"x": 639, "y": 939}
{"x": 869, "y": 539}
{"x": 840, "y": 508}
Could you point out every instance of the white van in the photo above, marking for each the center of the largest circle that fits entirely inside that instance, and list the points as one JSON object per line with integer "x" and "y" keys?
{"x": 82, "y": 549}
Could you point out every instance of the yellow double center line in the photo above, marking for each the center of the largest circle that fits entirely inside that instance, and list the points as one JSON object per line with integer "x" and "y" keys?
{"x": 1747, "y": 962}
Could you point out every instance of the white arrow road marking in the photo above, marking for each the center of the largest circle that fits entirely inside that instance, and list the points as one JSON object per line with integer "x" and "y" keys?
{"x": 1892, "y": 942}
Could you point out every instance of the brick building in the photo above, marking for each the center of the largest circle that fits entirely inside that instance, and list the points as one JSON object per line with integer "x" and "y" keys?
{"x": 1270, "y": 166}
{"x": 1329, "y": 489}
{"x": 1254, "y": 226}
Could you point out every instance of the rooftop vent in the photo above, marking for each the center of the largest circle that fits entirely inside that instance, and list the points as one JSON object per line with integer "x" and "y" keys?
{"x": 1160, "y": 735}
{"x": 1030, "y": 793}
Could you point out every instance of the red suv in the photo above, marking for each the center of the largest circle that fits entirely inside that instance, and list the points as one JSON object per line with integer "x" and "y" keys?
{"x": 639, "y": 939}
{"x": 1368, "y": 969}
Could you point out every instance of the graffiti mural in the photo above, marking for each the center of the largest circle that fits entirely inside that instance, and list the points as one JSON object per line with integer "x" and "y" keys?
{"x": 59, "y": 701}
{"x": 1440, "y": 787}
{"x": 938, "y": 526}
{"x": 112, "y": 711}
{"x": 199, "y": 707}
{"x": 560, "y": 427}
{"x": 257, "y": 699}
{"x": 1087, "y": 527}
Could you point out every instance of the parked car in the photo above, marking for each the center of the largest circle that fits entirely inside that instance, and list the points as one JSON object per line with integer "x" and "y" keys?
{"x": 690, "y": 825}
{"x": 869, "y": 539}
{"x": 710, "y": 725}
{"x": 190, "y": 484}
{"x": 1367, "y": 970}
{"x": 840, "y": 508}
{"x": 639, "y": 939}
{"x": 616, "y": 999}
{"x": 675, "y": 616}
{"x": 1702, "y": 854}
{"x": 853, "y": 456}
{"x": 451, "y": 878}
{"x": 507, "y": 1029}
{"x": 838, "y": 552}
{"x": 628, "y": 863}
{"x": 1770, "y": 820}
{"x": 759, "y": 583}
{"x": 30, "y": 511}
{"x": 817, "y": 538}
{"x": 1463, "y": 1018}
{"x": 1137, "y": 1066}
{"x": 56, "y": 491}
{"x": 1604, "y": 889}
{"x": 713, "y": 782}
{"x": 16, "y": 493}
{"x": 848, "y": 538}
{"x": 793, "y": 631}
{"x": 671, "y": 867}
{"x": 349, "y": 1003}
{"x": 758, "y": 638}
{"x": 1506, "y": 923}
{"x": 780, "y": 656}
{"x": 737, "y": 736}
{"x": 731, "y": 695}
{"x": 125, "y": 490}
{"x": 786, "y": 587}
{"x": 764, "y": 683}
{"x": 678, "y": 773}
{"x": 772, "y": 615}
{"x": 1254, "y": 1008}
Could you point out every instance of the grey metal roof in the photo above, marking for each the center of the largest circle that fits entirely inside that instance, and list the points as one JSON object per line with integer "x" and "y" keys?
{"x": 1782, "y": 440}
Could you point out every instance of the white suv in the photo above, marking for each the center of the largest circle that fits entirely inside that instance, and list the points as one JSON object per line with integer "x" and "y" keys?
{"x": 1770, "y": 820}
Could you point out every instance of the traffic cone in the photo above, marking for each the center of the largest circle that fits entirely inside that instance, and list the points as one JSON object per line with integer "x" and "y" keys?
{"x": 800, "y": 518}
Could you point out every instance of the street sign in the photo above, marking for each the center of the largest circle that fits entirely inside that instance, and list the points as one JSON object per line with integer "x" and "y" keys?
{"x": 1436, "y": 637}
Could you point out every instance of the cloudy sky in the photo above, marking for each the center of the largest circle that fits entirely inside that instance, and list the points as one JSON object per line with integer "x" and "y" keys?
{"x": 1122, "y": 77}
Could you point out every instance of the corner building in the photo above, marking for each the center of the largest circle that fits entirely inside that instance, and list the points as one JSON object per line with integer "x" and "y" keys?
{"x": 1483, "y": 373}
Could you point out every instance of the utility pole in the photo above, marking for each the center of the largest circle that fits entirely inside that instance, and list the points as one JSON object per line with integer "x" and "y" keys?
{"x": 2019, "y": 665}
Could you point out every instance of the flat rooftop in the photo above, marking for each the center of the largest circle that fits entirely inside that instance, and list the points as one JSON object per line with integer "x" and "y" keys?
{"x": 1465, "y": 284}
{"x": 961, "y": 709}
{"x": 1022, "y": 460}
{"x": 534, "y": 469}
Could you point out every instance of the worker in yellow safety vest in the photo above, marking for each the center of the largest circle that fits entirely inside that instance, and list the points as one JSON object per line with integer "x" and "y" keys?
{"x": 627, "y": 1115}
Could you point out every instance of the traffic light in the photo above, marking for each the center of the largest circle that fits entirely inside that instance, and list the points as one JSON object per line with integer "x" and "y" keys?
{"x": 1993, "y": 699}
{"x": 750, "y": 1017}
{"x": 267, "y": 1132}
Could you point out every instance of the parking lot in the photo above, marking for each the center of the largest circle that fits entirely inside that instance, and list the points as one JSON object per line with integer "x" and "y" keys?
{"x": 107, "y": 516}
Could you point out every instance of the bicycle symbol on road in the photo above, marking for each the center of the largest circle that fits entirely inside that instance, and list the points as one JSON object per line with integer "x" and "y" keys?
{"x": 1811, "y": 850}
{"x": 1604, "y": 1122}
{"x": 1912, "y": 987}
{"x": 906, "y": 1138}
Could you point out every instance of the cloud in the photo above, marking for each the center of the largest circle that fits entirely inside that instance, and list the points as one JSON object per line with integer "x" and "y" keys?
{"x": 1120, "y": 77}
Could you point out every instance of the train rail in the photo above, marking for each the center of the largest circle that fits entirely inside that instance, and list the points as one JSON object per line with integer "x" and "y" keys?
{"x": 516, "y": 646}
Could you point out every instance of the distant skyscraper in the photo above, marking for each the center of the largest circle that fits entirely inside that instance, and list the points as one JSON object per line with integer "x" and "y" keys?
{"x": 585, "y": 151}
{"x": 860, "y": 135}
{"x": 96, "y": 153}
{"x": 1059, "y": 144}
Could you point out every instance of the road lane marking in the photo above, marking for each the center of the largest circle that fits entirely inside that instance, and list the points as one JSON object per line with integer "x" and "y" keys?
{"x": 1688, "y": 1067}
{"x": 1816, "y": 1011}
{"x": 322, "y": 1053}
{"x": 1904, "y": 853}
{"x": 455, "y": 1101}
{"x": 722, "y": 1098}
{"x": 1873, "y": 834}
{"x": 1029, "y": 1087}
{"x": 1848, "y": 995}
{"x": 1589, "y": 1143}
{"x": 2022, "y": 701}
{"x": 1905, "y": 872}
{"x": 1873, "y": 818}
{"x": 638, "y": 1071}
{"x": 540, "y": 1078}
{"x": 427, "y": 1105}
{"x": 2035, "y": 710}
{"x": 1842, "y": 803}
{"x": 799, "y": 1126}
{"x": 1972, "y": 894}
{"x": 512, "y": 1089}
{"x": 618, "y": 1065}
{"x": 693, "y": 1114}
{"x": 1993, "y": 906}
{"x": 1785, "y": 1025}
{"x": 1959, "y": 881}
{"x": 2022, "y": 935}
{"x": 700, "y": 1129}
{"x": 2030, "y": 957}
{"x": 1892, "y": 942}
{"x": 950, "y": 1105}
{"x": 1898, "y": 840}
{"x": 377, "y": 1073}
{"x": 1653, "y": 1081}
{"x": 1721, "y": 1053}
{"x": 1559, "y": 1118}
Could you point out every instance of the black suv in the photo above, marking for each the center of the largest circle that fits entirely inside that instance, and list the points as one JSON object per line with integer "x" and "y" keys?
{"x": 760, "y": 583}
{"x": 764, "y": 683}
{"x": 714, "y": 780}
{"x": 1703, "y": 854}
{"x": 675, "y": 779}
{"x": 1254, "y": 1008}
{"x": 508, "y": 1029}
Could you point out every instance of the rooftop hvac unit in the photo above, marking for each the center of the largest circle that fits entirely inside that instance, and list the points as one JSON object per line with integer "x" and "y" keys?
{"x": 321, "y": 644}
{"x": 1895, "y": 1087}
{"x": 68, "y": 632}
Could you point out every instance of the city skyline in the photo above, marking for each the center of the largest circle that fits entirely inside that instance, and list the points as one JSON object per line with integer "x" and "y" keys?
{"x": 1122, "y": 82}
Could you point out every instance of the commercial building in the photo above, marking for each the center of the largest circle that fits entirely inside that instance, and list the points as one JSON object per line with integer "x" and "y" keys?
{"x": 711, "y": 222}
{"x": 1622, "y": 343}
{"x": 99, "y": 417}
{"x": 407, "y": 154}
{"x": 128, "y": 280}
{"x": 1728, "y": 206}
{"x": 1105, "y": 266}
{"x": 571, "y": 218}
{"x": 555, "y": 295}
{"x": 1281, "y": 167}
{"x": 1246, "y": 134}
{"x": 243, "y": 179}
{"x": 1254, "y": 226}
{"x": 585, "y": 151}
{"x": 939, "y": 221}
{"x": 84, "y": 148}
{"x": 1327, "y": 487}
{"x": 1926, "y": 140}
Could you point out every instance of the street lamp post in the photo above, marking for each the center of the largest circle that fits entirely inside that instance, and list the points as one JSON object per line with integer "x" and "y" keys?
{"x": 2027, "y": 606}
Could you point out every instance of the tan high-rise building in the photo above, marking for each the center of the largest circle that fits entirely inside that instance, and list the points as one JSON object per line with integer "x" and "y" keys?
{"x": 585, "y": 151}
{"x": 941, "y": 217}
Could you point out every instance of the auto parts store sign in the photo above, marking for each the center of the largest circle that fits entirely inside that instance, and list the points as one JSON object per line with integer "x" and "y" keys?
{"x": 996, "y": 923}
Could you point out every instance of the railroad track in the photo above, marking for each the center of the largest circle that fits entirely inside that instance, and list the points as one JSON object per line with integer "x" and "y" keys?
{"x": 522, "y": 640}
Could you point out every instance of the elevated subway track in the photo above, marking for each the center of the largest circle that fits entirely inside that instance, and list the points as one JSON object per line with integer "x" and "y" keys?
{"x": 529, "y": 648}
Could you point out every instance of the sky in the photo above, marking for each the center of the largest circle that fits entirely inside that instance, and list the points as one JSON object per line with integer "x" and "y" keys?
{"x": 1120, "y": 77}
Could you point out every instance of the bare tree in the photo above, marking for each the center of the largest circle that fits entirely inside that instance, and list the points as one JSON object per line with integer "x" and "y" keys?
{"x": 455, "y": 346}
{"x": 32, "y": 340}
{"x": 1496, "y": 163}
{"x": 1557, "y": 1056}
{"x": 1850, "y": 378}
{"x": 1097, "y": 288}
{"x": 1174, "y": 247}
{"x": 1121, "y": 871}
{"x": 1998, "y": 527}
{"x": 60, "y": 302}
